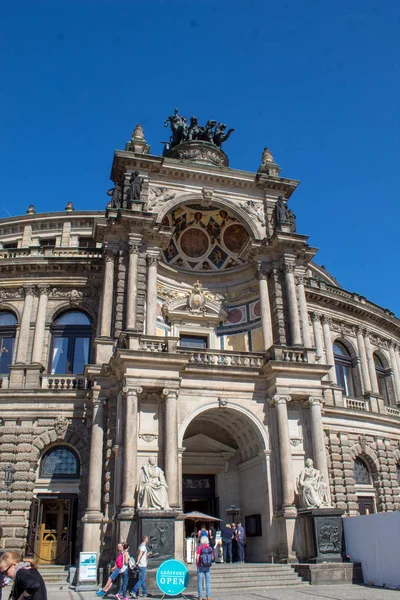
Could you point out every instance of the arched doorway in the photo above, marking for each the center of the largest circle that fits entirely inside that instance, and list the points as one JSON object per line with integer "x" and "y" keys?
{"x": 225, "y": 471}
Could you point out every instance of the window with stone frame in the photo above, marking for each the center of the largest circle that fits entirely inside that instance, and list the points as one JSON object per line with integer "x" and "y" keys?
{"x": 8, "y": 322}
{"x": 382, "y": 378}
{"x": 343, "y": 367}
{"x": 361, "y": 472}
{"x": 60, "y": 462}
{"x": 71, "y": 343}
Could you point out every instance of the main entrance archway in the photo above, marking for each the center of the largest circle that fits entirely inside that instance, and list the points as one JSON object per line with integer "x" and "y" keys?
{"x": 225, "y": 468}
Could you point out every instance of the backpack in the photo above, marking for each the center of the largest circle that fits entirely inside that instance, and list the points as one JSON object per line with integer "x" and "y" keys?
{"x": 206, "y": 556}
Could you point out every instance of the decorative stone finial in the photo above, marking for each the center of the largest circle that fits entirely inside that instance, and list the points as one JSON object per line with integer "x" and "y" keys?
{"x": 138, "y": 133}
{"x": 69, "y": 207}
{"x": 138, "y": 144}
{"x": 268, "y": 165}
{"x": 31, "y": 210}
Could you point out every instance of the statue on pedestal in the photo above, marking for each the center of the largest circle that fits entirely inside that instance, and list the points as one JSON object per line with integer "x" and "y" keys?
{"x": 152, "y": 487}
{"x": 312, "y": 490}
{"x": 135, "y": 187}
{"x": 281, "y": 211}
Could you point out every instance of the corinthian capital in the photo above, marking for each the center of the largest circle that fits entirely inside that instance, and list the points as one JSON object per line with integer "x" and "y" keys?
{"x": 315, "y": 317}
{"x": 152, "y": 259}
{"x": 261, "y": 270}
{"x": 326, "y": 320}
{"x": 133, "y": 247}
{"x": 109, "y": 255}
{"x": 300, "y": 279}
{"x": 29, "y": 290}
{"x": 288, "y": 267}
{"x": 44, "y": 289}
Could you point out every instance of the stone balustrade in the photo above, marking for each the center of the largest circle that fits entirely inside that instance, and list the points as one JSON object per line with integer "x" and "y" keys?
{"x": 393, "y": 412}
{"x": 356, "y": 404}
{"x": 293, "y": 355}
{"x": 224, "y": 358}
{"x": 49, "y": 251}
{"x": 64, "y": 382}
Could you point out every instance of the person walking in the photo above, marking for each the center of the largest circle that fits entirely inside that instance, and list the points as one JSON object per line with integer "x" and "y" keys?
{"x": 115, "y": 571}
{"x": 141, "y": 562}
{"x": 124, "y": 572}
{"x": 240, "y": 540}
{"x": 227, "y": 536}
{"x": 28, "y": 582}
{"x": 204, "y": 558}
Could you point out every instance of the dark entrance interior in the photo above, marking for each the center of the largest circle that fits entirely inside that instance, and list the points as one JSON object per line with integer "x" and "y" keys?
{"x": 198, "y": 493}
{"x": 366, "y": 505}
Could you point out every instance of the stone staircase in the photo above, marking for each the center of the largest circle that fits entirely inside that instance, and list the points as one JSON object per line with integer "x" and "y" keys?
{"x": 55, "y": 577}
{"x": 233, "y": 577}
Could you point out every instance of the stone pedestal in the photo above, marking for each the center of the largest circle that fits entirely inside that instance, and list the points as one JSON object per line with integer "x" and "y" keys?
{"x": 159, "y": 525}
{"x": 320, "y": 535}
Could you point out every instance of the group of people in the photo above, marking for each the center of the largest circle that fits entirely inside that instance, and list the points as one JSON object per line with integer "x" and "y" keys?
{"x": 233, "y": 543}
{"x": 124, "y": 563}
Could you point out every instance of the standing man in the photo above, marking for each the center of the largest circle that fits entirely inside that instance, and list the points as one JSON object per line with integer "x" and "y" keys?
{"x": 227, "y": 535}
{"x": 204, "y": 558}
{"x": 240, "y": 539}
{"x": 141, "y": 562}
{"x": 234, "y": 544}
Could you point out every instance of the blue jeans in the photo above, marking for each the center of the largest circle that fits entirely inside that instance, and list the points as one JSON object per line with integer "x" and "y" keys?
{"x": 114, "y": 574}
{"x": 240, "y": 547}
{"x": 141, "y": 581}
{"x": 124, "y": 582}
{"x": 201, "y": 575}
{"x": 227, "y": 550}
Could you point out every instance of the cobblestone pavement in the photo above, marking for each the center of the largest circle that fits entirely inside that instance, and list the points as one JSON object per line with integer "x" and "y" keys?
{"x": 323, "y": 592}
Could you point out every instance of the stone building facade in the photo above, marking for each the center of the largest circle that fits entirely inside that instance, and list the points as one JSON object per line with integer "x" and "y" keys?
{"x": 191, "y": 324}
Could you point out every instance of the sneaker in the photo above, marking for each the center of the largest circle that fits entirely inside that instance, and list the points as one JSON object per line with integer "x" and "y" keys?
{"x": 133, "y": 595}
{"x": 100, "y": 593}
{"x": 119, "y": 596}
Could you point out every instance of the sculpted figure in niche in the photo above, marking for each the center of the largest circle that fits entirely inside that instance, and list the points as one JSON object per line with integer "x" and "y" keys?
{"x": 312, "y": 490}
{"x": 135, "y": 186}
{"x": 281, "y": 211}
{"x": 152, "y": 487}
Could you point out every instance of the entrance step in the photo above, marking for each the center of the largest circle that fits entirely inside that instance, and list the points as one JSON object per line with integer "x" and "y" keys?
{"x": 55, "y": 576}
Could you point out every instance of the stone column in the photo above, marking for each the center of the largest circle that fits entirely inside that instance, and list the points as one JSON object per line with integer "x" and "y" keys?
{"x": 363, "y": 360}
{"x": 329, "y": 348}
{"x": 318, "y": 440}
{"x": 305, "y": 327}
{"x": 24, "y": 330}
{"x": 93, "y": 516}
{"x": 151, "y": 301}
{"x": 38, "y": 340}
{"x": 395, "y": 369}
{"x": 294, "y": 321}
{"x": 371, "y": 363}
{"x": 131, "y": 303}
{"x": 108, "y": 295}
{"x": 285, "y": 454}
{"x": 266, "y": 322}
{"x": 129, "y": 467}
{"x": 171, "y": 446}
{"x": 319, "y": 346}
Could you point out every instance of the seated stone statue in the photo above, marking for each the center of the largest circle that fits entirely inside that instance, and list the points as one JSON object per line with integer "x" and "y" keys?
{"x": 152, "y": 487}
{"x": 312, "y": 490}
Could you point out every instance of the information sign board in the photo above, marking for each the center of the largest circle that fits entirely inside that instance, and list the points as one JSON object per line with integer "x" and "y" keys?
{"x": 88, "y": 567}
{"x": 172, "y": 577}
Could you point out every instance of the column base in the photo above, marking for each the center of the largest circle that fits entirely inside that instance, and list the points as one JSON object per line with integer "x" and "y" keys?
{"x": 287, "y": 520}
{"x": 92, "y": 522}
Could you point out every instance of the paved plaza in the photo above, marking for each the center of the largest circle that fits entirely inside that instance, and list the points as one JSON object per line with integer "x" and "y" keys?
{"x": 323, "y": 592}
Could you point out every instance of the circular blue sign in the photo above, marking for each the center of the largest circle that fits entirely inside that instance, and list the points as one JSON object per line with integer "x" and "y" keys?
{"x": 172, "y": 577}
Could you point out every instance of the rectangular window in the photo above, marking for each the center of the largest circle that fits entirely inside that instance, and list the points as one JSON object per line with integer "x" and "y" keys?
{"x": 86, "y": 242}
{"x": 253, "y": 525}
{"x": 81, "y": 354}
{"x": 60, "y": 356}
{"x": 6, "y": 349}
{"x": 47, "y": 243}
{"x": 193, "y": 341}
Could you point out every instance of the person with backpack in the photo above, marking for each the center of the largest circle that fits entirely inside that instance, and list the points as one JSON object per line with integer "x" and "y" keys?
{"x": 141, "y": 562}
{"x": 115, "y": 571}
{"x": 28, "y": 582}
{"x": 204, "y": 559}
{"x": 124, "y": 572}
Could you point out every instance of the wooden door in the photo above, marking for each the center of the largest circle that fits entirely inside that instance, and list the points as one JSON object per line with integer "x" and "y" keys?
{"x": 53, "y": 535}
{"x": 366, "y": 505}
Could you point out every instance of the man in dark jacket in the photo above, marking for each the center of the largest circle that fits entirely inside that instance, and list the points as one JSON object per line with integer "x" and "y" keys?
{"x": 227, "y": 536}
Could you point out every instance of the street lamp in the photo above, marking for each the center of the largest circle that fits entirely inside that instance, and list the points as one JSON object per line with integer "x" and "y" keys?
{"x": 233, "y": 512}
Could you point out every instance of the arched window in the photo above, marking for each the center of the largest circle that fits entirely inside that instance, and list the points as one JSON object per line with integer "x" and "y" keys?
{"x": 381, "y": 376}
{"x": 361, "y": 472}
{"x": 8, "y": 322}
{"x": 60, "y": 462}
{"x": 343, "y": 366}
{"x": 72, "y": 333}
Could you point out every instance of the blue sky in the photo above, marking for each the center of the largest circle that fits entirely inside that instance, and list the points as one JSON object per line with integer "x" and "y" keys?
{"x": 316, "y": 81}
